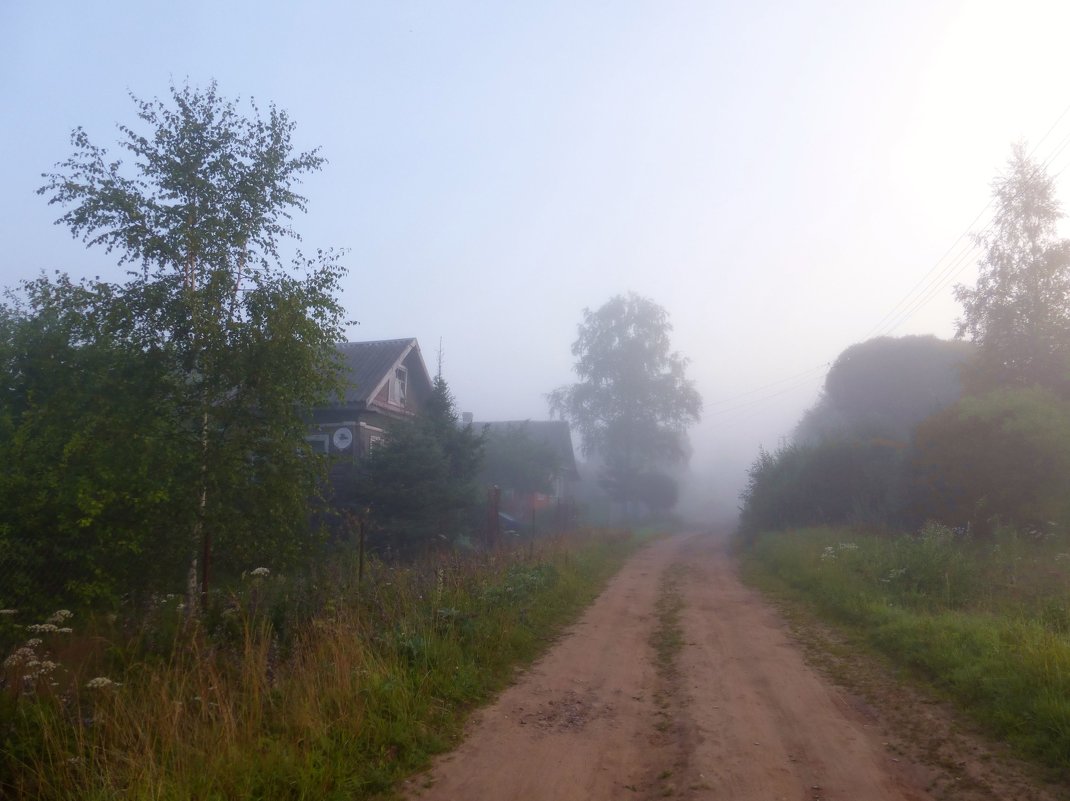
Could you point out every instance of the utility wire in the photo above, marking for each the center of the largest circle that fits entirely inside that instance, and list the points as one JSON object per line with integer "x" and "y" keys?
{"x": 931, "y": 285}
{"x": 740, "y": 395}
{"x": 880, "y": 323}
{"x": 798, "y": 384}
{"x": 926, "y": 288}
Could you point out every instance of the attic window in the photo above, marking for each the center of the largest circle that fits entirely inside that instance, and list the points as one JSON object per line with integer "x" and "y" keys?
{"x": 399, "y": 386}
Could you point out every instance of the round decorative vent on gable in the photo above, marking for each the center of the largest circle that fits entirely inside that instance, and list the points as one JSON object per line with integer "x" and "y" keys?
{"x": 342, "y": 438}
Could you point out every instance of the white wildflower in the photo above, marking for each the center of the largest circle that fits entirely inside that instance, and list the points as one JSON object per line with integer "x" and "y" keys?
{"x": 260, "y": 572}
{"x": 65, "y": 630}
{"x": 20, "y": 656}
{"x": 893, "y": 574}
{"x": 35, "y": 668}
{"x": 8, "y": 612}
{"x": 848, "y": 546}
{"x": 101, "y": 683}
{"x": 33, "y": 642}
{"x": 43, "y": 628}
{"x": 61, "y": 615}
{"x": 828, "y": 553}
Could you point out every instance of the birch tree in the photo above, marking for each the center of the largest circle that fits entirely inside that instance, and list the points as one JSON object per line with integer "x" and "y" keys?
{"x": 199, "y": 202}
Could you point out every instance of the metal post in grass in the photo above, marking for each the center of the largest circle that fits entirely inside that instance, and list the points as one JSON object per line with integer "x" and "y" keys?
{"x": 362, "y": 523}
{"x": 493, "y": 521}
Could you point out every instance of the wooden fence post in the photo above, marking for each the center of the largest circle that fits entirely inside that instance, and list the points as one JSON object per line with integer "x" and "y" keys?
{"x": 494, "y": 495}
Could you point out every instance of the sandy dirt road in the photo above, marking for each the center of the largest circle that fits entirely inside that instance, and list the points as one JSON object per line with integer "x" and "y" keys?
{"x": 738, "y": 714}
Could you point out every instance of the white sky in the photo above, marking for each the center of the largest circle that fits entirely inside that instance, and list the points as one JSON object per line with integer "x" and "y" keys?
{"x": 778, "y": 175}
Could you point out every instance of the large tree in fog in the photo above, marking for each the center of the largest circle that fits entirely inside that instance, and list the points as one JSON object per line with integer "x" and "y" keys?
{"x": 1019, "y": 311}
{"x": 633, "y": 402}
{"x": 884, "y": 387}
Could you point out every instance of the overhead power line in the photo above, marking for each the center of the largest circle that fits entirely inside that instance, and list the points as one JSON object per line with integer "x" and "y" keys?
{"x": 732, "y": 398}
{"x": 930, "y": 285}
{"x": 961, "y": 254}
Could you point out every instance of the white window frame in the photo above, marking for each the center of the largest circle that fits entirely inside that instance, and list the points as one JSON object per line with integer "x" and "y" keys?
{"x": 399, "y": 386}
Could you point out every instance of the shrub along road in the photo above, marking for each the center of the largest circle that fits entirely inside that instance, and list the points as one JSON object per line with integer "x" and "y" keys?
{"x": 681, "y": 682}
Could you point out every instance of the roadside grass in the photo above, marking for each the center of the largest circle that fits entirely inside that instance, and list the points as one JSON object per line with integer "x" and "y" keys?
{"x": 340, "y": 705}
{"x": 987, "y": 622}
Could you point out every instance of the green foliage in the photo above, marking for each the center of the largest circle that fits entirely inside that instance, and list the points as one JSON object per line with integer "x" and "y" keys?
{"x": 1000, "y": 456}
{"x": 835, "y": 481}
{"x": 512, "y": 459}
{"x": 984, "y": 620}
{"x": 152, "y": 418}
{"x": 420, "y": 484}
{"x": 885, "y": 387}
{"x": 89, "y": 475}
{"x": 853, "y": 458}
{"x": 1019, "y": 312}
{"x": 633, "y": 402}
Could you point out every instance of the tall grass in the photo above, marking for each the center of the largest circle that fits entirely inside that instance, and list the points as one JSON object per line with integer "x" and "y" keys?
{"x": 987, "y": 621}
{"x": 339, "y": 705}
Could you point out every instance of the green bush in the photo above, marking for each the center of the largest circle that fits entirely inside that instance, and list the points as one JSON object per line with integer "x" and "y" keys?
{"x": 998, "y": 457}
{"x": 835, "y": 481}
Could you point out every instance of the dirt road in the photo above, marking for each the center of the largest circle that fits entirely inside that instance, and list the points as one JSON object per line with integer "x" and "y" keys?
{"x": 677, "y": 682}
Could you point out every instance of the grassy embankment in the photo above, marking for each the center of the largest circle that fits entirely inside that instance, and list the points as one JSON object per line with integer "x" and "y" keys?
{"x": 341, "y": 703}
{"x": 987, "y": 622}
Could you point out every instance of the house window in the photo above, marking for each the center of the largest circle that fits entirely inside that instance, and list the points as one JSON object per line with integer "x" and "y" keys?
{"x": 318, "y": 442}
{"x": 399, "y": 386}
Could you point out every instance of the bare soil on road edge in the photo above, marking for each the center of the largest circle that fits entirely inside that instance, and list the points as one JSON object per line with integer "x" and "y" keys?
{"x": 681, "y": 682}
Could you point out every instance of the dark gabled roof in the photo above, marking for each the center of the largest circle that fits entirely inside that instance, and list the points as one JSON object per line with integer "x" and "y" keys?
{"x": 554, "y": 433}
{"x": 368, "y": 364}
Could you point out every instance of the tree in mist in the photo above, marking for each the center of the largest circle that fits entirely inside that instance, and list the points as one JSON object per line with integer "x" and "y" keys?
{"x": 514, "y": 459}
{"x": 657, "y": 491}
{"x": 633, "y": 402}
{"x": 835, "y": 481}
{"x": 213, "y": 346}
{"x": 997, "y": 457}
{"x": 1019, "y": 312}
{"x": 885, "y": 387}
{"x": 420, "y": 484}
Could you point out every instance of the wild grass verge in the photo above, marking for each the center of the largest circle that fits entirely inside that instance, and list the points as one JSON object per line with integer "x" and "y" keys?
{"x": 343, "y": 705}
{"x": 988, "y": 622}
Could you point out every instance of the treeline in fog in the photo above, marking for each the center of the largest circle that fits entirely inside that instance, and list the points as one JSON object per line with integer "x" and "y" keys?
{"x": 973, "y": 433}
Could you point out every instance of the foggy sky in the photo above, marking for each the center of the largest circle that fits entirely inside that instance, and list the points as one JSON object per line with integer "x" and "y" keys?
{"x": 777, "y": 175}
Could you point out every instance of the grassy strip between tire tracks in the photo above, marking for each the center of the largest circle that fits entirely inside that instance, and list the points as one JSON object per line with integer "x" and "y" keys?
{"x": 987, "y": 623}
{"x": 365, "y": 694}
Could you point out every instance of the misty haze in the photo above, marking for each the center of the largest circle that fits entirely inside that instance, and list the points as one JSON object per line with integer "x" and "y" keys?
{"x": 545, "y": 401}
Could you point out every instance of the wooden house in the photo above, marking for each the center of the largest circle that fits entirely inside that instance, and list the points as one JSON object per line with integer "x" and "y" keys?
{"x": 387, "y": 381}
